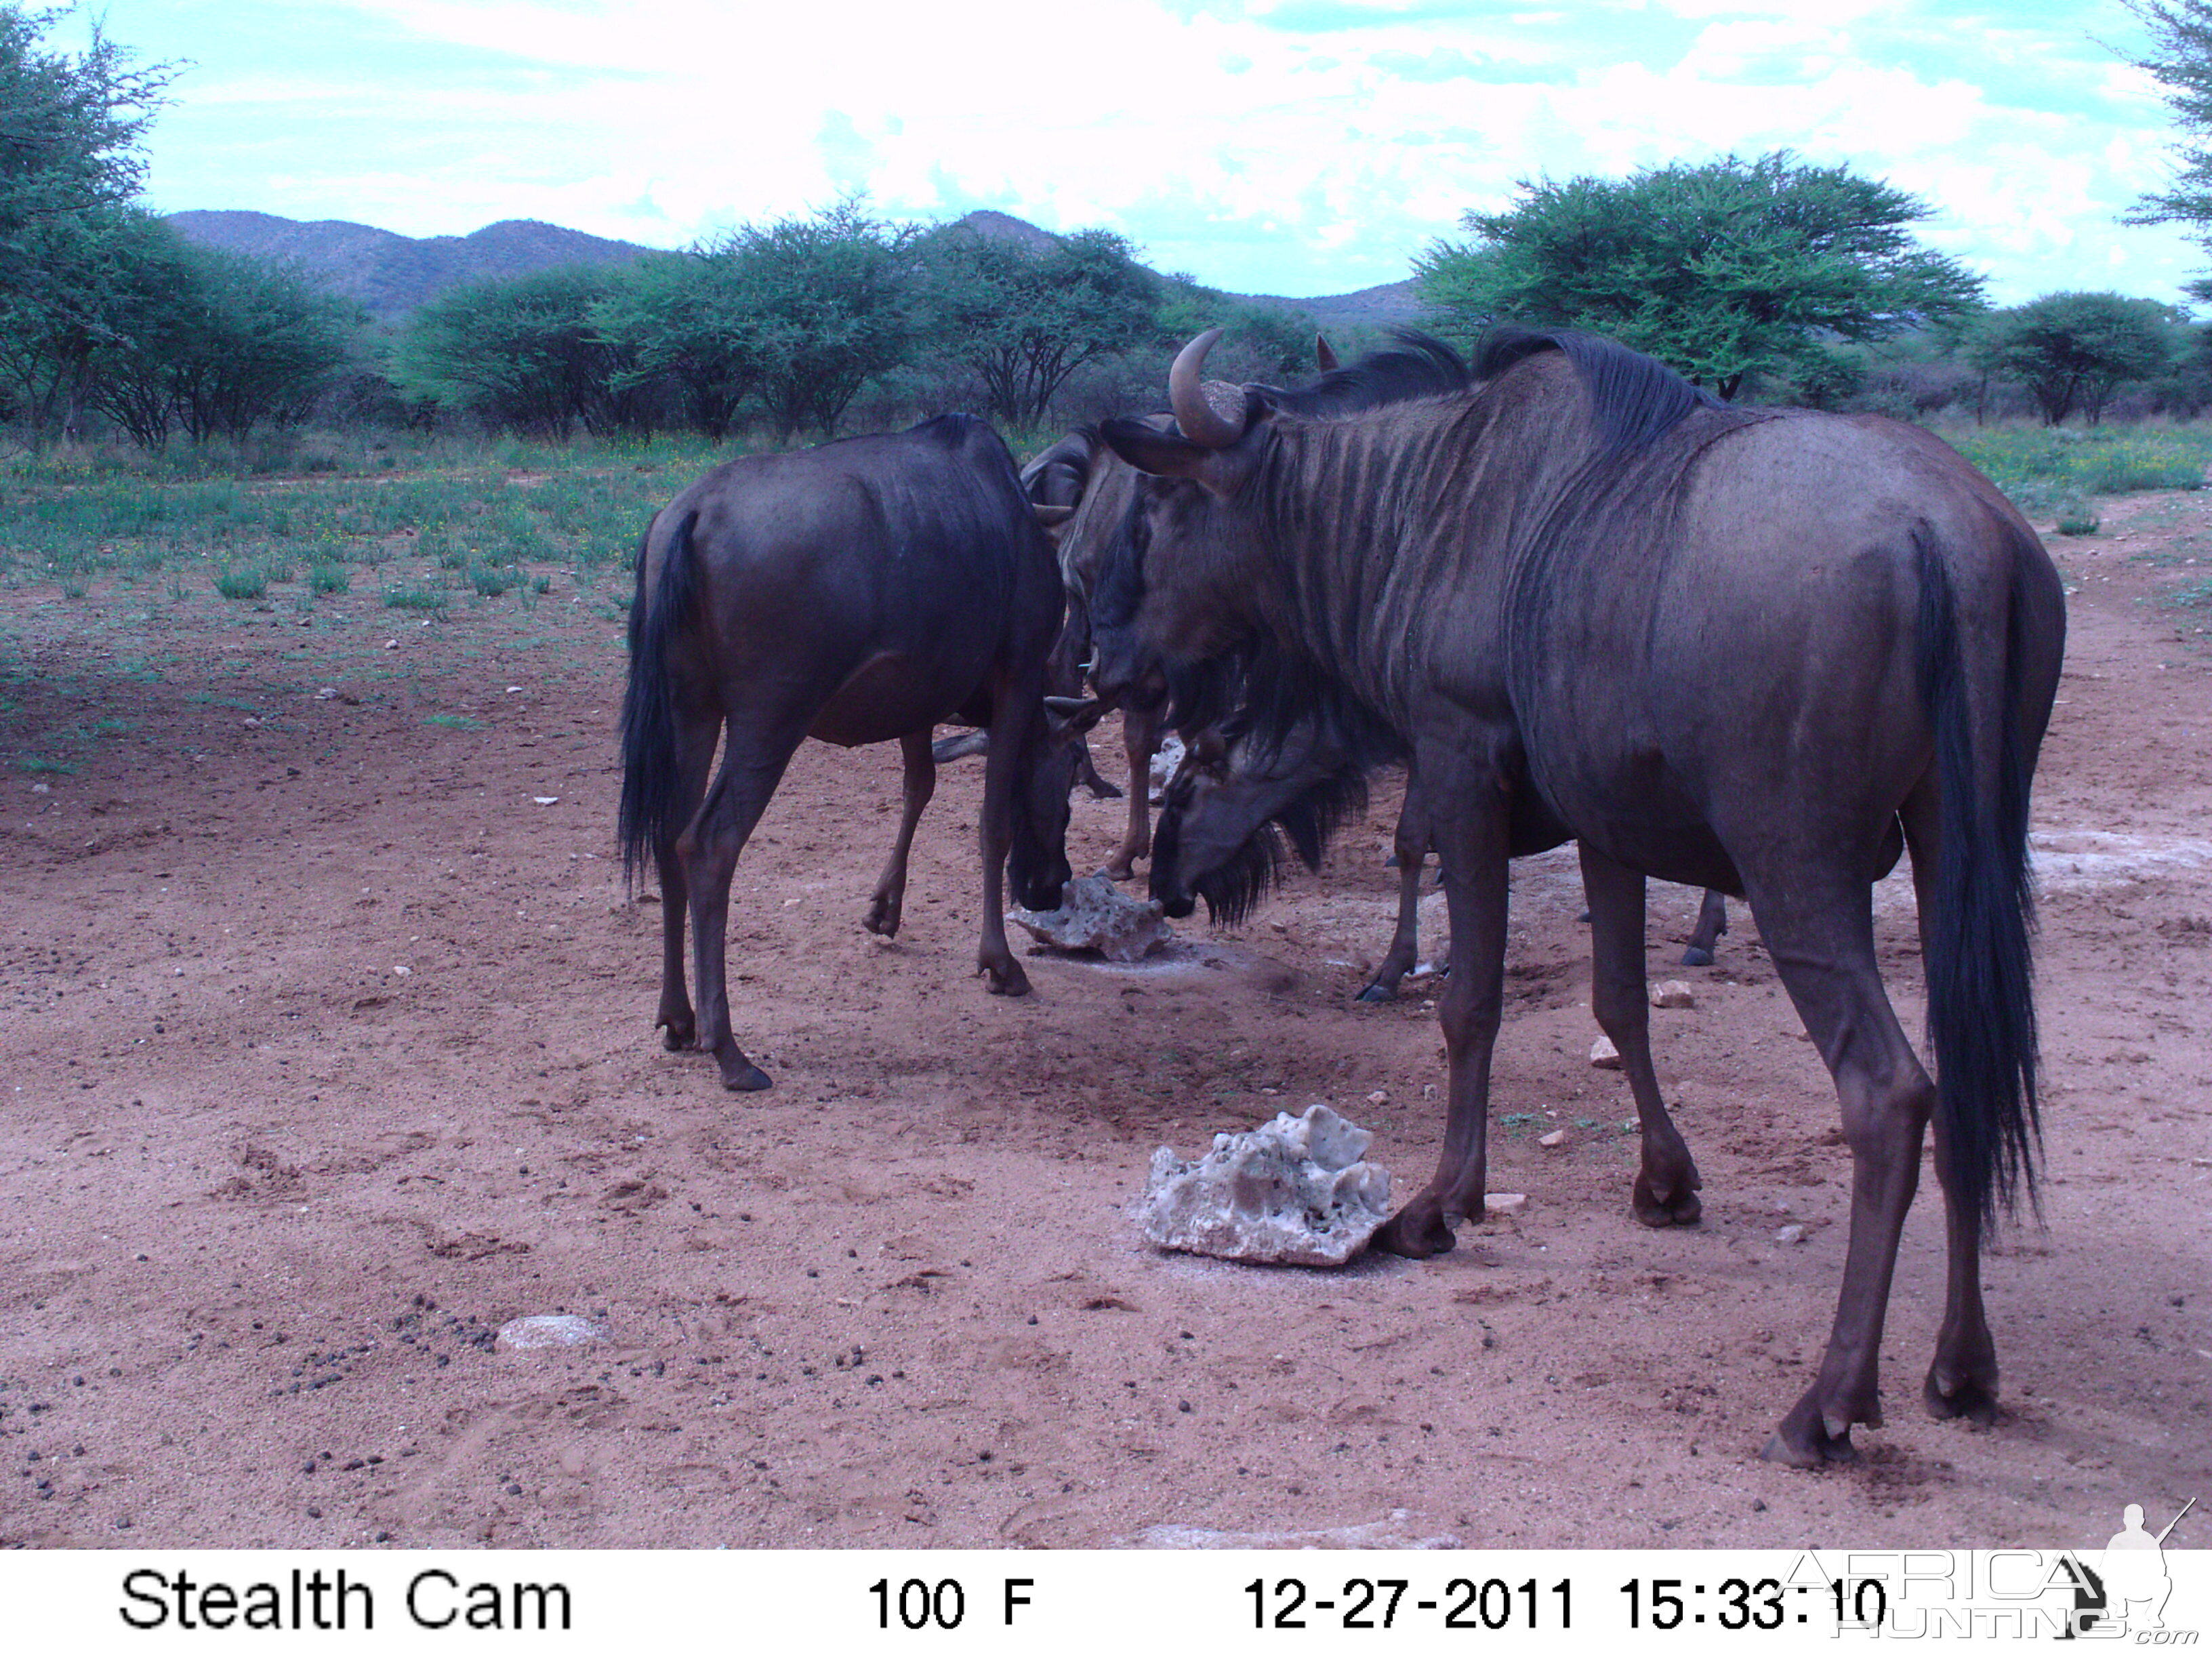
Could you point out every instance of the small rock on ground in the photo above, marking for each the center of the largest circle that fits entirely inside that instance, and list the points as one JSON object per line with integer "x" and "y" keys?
{"x": 1293, "y": 1191}
{"x": 1673, "y": 994}
{"x": 1604, "y": 1055}
{"x": 1095, "y": 915}
{"x": 551, "y": 1331}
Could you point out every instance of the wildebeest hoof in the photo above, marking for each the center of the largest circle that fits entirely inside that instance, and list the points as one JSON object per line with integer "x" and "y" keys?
{"x": 1102, "y": 790}
{"x": 1680, "y": 1209}
{"x": 1121, "y": 869}
{"x": 678, "y": 1034}
{"x": 1803, "y": 1441}
{"x": 1973, "y": 1398}
{"x": 1006, "y": 978}
{"x": 1694, "y": 957}
{"x": 1378, "y": 991}
{"x": 740, "y": 1076}
{"x": 1415, "y": 1233}
{"x": 883, "y": 918}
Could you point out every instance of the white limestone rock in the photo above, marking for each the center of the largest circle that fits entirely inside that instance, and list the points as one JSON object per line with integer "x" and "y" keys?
{"x": 551, "y": 1331}
{"x": 1295, "y": 1191}
{"x": 1604, "y": 1055}
{"x": 1166, "y": 759}
{"x": 1095, "y": 915}
{"x": 1674, "y": 993}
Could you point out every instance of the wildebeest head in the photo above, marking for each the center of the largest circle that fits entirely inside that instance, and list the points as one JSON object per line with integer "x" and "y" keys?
{"x": 1036, "y": 855}
{"x": 1176, "y": 579}
{"x": 1226, "y": 816}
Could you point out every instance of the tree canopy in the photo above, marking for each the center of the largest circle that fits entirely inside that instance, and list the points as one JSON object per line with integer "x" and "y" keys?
{"x": 2074, "y": 351}
{"x": 1723, "y": 269}
{"x": 2181, "y": 58}
{"x": 1024, "y": 320}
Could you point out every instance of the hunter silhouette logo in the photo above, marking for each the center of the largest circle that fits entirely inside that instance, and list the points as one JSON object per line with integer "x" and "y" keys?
{"x": 2126, "y": 1592}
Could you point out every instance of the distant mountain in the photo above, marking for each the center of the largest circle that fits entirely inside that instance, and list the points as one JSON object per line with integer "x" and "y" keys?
{"x": 390, "y": 274}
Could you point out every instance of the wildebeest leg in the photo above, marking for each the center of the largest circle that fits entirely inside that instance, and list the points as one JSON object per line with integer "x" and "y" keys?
{"x": 1820, "y": 934}
{"x": 1141, "y": 737}
{"x": 889, "y": 898}
{"x": 995, "y": 958}
{"x": 1411, "y": 844}
{"x": 752, "y": 765}
{"x": 1963, "y": 1380}
{"x": 696, "y": 735}
{"x": 1712, "y": 923}
{"x": 1471, "y": 839}
{"x": 1666, "y": 1193}
{"x": 1086, "y": 773}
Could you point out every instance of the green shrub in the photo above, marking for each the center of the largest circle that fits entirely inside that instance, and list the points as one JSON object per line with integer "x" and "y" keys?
{"x": 490, "y": 582}
{"x": 414, "y": 598}
{"x": 245, "y": 583}
{"x": 2077, "y": 520}
{"x": 329, "y": 578}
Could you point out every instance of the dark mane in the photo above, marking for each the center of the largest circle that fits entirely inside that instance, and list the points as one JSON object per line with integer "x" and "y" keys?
{"x": 1418, "y": 366}
{"x": 1637, "y": 399}
{"x": 1233, "y": 890}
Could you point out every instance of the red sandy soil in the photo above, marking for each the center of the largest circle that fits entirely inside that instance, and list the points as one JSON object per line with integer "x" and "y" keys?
{"x": 328, "y": 1050}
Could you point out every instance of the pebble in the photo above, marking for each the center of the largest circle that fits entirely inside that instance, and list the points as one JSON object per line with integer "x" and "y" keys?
{"x": 1557, "y": 1138}
{"x": 1495, "y": 1204}
{"x": 551, "y": 1331}
{"x": 1673, "y": 994}
{"x": 1795, "y": 1233}
{"x": 545, "y": 800}
{"x": 1604, "y": 1055}
{"x": 1379, "y": 1097}
{"x": 326, "y": 694}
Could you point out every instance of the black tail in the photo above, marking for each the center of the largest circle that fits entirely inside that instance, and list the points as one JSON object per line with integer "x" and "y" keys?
{"x": 1981, "y": 997}
{"x": 652, "y": 792}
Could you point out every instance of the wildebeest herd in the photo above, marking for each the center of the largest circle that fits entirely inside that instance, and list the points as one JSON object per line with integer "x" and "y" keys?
{"x": 1759, "y": 651}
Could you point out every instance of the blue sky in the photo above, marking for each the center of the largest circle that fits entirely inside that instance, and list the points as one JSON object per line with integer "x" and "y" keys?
{"x": 1268, "y": 146}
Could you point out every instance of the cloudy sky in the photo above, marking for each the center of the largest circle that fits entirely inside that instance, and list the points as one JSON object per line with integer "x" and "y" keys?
{"x": 1290, "y": 147}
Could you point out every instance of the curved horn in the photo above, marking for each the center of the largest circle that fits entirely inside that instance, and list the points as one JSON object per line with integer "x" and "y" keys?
{"x": 1201, "y": 423}
{"x": 1324, "y": 358}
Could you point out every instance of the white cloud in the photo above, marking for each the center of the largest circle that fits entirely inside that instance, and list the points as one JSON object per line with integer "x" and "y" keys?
{"x": 1317, "y": 147}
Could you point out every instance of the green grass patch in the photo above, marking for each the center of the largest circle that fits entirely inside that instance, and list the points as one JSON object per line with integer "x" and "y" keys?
{"x": 492, "y": 581}
{"x": 329, "y": 578}
{"x": 2047, "y": 470}
{"x": 414, "y": 598}
{"x": 455, "y": 723}
{"x": 42, "y": 764}
{"x": 249, "y": 583}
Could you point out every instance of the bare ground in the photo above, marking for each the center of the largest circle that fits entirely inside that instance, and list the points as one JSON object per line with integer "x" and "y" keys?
{"x": 327, "y": 1051}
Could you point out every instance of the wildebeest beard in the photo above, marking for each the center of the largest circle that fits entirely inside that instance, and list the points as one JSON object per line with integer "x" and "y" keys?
{"x": 1233, "y": 889}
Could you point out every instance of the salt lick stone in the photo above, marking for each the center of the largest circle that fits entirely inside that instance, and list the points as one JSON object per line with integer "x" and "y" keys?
{"x": 1294, "y": 1191}
{"x": 1095, "y": 915}
{"x": 551, "y": 1331}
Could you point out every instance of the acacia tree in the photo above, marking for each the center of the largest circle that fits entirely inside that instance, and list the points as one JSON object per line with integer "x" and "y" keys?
{"x": 832, "y": 302}
{"x": 70, "y": 170}
{"x": 2181, "y": 58}
{"x": 2074, "y": 351}
{"x": 689, "y": 320}
{"x": 1026, "y": 319}
{"x": 525, "y": 353}
{"x": 1724, "y": 269}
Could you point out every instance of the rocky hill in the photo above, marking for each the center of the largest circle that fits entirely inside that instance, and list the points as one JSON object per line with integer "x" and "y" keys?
{"x": 390, "y": 274}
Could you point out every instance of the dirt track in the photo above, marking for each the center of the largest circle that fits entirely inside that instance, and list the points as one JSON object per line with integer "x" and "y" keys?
{"x": 327, "y": 1051}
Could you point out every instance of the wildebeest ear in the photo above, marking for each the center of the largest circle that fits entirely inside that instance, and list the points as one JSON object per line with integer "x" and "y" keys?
{"x": 1162, "y": 454}
{"x": 1324, "y": 358}
{"x": 1068, "y": 718}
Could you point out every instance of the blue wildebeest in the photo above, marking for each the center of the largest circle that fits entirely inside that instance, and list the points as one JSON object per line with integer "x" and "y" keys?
{"x": 1226, "y": 814}
{"x": 858, "y": 592}
{"x": 1755, "y": 650}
